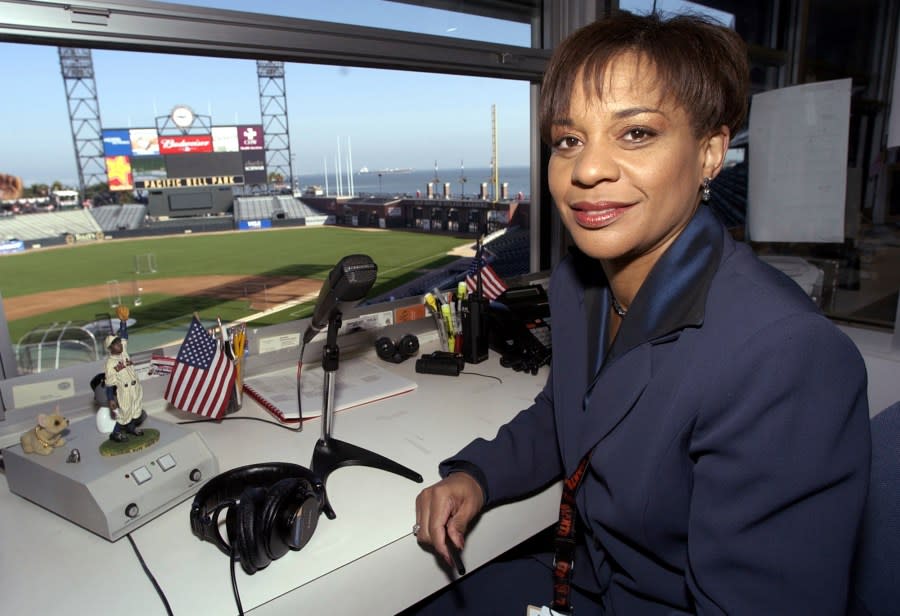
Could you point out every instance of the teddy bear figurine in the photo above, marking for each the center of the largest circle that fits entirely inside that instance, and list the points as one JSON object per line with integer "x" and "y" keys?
{"x": 45, "y": 436}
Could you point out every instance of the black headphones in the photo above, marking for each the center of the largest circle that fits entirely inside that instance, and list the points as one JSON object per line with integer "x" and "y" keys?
{"x": 271, "y": 508}
{"x": 395, "y": 353}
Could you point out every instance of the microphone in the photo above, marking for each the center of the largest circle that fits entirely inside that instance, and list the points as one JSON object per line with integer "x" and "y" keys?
{"x": 349, "y": 281}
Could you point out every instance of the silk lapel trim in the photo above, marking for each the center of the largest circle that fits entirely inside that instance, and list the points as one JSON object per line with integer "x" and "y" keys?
{"x": 673, "y": 297}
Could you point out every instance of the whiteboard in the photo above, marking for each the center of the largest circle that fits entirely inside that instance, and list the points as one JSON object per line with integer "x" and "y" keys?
{"x": 797, "y": 179}
{"x": 893, "y": 139}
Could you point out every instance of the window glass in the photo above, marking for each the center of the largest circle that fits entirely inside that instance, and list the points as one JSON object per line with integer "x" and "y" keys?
{"x": 457, "y": 23}
{"x": 855, "y": 280}
{"x": 677, "y": 7}
{"x": 752, "y": 20}
{"x": 178, "y": 147}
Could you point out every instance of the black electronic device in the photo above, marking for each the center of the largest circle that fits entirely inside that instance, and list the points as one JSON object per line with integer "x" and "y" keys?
{"x": 397, "y": 352}
{"x": 441, "y": 362}
{"x": 475, "y": 328}
{"x": 348, "y": 281}
{"x": 520, "y": 327}
{"x": 270, "y": 508}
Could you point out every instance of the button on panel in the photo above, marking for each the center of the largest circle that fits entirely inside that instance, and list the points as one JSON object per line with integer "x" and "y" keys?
{"x": 166, "y": 462}
{"x": 141, "y": 475}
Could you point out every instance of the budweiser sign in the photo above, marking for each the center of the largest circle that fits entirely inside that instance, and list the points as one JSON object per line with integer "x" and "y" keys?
{"x": 185, "y": 144}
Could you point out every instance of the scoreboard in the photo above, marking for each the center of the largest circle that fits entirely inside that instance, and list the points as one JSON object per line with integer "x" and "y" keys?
{"x": 193, "y": 166}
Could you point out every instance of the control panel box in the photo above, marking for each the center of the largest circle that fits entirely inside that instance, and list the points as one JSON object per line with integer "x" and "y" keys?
{"x": 112, "y": 495}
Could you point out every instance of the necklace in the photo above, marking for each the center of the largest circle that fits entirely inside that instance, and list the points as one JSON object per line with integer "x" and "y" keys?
{"x": 617, "y": 307}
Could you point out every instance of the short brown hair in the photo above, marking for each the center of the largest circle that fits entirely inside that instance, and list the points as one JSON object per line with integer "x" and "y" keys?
{"x": 702, "y": 65}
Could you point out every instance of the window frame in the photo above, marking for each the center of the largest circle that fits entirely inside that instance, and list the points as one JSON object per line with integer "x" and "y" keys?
{"x": 148, "y": 26}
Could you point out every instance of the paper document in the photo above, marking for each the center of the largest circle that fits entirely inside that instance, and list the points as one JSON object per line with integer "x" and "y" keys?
{"x": 357, "y": 381}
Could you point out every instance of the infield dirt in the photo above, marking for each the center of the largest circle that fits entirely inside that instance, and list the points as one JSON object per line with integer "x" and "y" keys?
{"x": 262, "y": 291}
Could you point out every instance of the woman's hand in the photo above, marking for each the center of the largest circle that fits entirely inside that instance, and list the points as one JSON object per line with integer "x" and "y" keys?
{"x": 445, "y": 509}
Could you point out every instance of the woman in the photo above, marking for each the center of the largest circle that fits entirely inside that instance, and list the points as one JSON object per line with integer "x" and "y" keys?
{"x": 719, "y": 419}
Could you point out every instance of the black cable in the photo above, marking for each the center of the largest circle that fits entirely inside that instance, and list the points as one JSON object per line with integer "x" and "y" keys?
{"x": 159, "y": 591}
{"x": 487, "y": 376}
{"x": 234, "y": 587}
{"x": 299, "y": 427}
{"x": 299, "y": 386}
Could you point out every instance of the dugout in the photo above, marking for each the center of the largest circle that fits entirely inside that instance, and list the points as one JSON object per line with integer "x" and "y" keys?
{"x": 57, "y": 345}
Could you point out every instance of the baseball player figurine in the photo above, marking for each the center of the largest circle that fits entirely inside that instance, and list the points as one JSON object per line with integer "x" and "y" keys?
{"x": 123, "y": 389}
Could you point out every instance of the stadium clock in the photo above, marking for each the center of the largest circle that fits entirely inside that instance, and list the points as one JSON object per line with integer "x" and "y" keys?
{"x": 182, "y": 116}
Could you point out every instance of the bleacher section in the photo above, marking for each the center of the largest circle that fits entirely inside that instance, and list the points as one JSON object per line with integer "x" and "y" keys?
{"x": 29, "y": 227}
{"x": 510, "y": 250}
{"x": 253, "y": 208}
{"x": 508, "y": 255}
{"x": 729, "y": 196}
{"x": 119, "y": 217}
{"x": 275, "y": 207}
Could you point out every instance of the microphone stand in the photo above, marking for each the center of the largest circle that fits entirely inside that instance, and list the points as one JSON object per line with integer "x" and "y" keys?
{"x": 330, "y": 453}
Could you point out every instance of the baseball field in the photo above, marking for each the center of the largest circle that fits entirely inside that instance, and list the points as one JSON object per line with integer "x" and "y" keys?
{"x": 219, "y": 275}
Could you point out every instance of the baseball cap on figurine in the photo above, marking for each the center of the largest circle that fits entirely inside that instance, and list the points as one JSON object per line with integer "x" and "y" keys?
{"x": 109, "y": 340}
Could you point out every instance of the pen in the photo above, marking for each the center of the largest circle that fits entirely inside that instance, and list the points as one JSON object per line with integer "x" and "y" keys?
{"x": 226, "y": 342}
{"x": 441, "y": 300}
{"x": 454, "y": 316}
{"x": 454, "y": 554}
{"x": 238, "y": 340}
{"x": 431, "y": 302}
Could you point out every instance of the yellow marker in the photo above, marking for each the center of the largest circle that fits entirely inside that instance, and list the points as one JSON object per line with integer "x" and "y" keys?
{"x": 451, "y": 330}
{"x": 461, "y": 290}
{"x": 431, "y": 302}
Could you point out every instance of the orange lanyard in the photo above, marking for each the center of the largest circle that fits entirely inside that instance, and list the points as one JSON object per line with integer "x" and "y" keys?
{"x": 563, "y": 562}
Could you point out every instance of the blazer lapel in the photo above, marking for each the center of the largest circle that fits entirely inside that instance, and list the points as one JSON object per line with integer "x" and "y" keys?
{"x": 673, "y": 297}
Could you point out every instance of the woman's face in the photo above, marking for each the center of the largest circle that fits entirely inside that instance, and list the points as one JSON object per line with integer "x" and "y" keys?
{"x": 626, "y": 170}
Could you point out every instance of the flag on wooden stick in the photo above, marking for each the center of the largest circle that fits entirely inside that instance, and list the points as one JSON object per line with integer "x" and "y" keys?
{"x": 492, "y": 285}
{"x": 203, "y": 377}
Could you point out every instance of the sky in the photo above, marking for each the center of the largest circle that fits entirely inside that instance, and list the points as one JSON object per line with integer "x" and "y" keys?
{"x": 388, "y": 118}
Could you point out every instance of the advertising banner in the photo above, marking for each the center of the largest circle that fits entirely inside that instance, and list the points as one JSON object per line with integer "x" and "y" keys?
{"x": 244, "y": 225}
{"x": 250, "y": 137}
{"x": 225, "y": 139}
{"x": 116, "y": 142}
{"x": 12, "y": 246}
{"x": 254, "y": 167}
{"x": 185, "y": 144}
{"x": 118, "y": 171}
{"x": 144, "y": 142}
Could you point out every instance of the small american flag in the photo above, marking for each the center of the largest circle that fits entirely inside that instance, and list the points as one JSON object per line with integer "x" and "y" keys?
{"x": 492, "y": 284}
{"x": 203, "y": 378}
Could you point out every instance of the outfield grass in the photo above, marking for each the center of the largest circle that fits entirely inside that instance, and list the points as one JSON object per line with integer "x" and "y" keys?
{"x": 303, "y": 253}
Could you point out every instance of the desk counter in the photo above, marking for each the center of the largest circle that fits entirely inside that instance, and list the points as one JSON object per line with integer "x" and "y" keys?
{"x": 364, "y": 561}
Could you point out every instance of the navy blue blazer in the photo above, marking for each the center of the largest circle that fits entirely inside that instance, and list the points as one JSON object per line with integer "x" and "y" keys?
{"x": 730, "y": 434}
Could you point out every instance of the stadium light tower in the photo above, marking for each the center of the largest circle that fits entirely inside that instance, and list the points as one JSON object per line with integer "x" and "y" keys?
{"x": 274, "y": 114}
{"x": 77, "y": 68}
